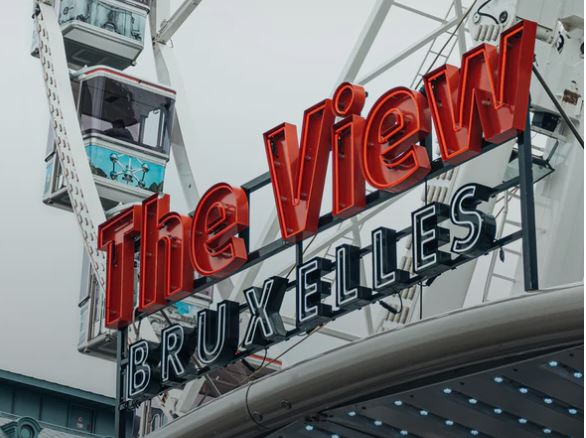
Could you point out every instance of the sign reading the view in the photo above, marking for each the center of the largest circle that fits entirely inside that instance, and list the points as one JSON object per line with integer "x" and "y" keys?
{"x": 487, "y": 99}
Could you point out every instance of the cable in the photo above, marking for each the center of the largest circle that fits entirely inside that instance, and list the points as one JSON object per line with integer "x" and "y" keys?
{"x": 253, "y": 369}
{"x": 482, "y": 14}
{"x": 303, "y": 253}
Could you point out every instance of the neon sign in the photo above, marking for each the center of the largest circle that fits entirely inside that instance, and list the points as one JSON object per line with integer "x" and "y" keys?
{"x": 485, "y": 100}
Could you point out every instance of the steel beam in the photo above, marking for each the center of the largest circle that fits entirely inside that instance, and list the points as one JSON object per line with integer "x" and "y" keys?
{"x": 183, "y": 129}
{"x": 408, "y": 51}
{"x": 461, "y": 30}
{"x": 419, "y": 12}
{"x": 170, "y": 26}
{"x": 365, "y": 40}
{"x": 123, "y": 416}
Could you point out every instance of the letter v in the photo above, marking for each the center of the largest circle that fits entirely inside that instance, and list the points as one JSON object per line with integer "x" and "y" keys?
{"x": 298, "y": 173}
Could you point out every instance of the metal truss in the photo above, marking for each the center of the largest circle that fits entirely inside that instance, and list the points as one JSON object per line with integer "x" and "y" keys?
{"x": 79, "y": 181}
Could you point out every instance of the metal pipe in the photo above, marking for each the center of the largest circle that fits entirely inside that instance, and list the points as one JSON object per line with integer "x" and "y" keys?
{"x": 123, "y": 416}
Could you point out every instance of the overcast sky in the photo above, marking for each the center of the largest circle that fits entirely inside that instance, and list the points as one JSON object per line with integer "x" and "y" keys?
{"x": 246, "y": 65}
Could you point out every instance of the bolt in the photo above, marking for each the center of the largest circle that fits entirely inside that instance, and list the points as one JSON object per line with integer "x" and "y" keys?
{"x": 285, "y": 404}
{"x": 257, "y": 416}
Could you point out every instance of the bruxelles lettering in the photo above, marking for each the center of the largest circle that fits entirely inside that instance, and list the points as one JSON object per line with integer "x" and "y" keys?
{"x": 486, "y": 99}
{"x": 215, "y": 340}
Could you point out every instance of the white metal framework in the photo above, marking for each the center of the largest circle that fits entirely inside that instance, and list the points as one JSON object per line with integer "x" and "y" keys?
{"x": 68, "y": 140}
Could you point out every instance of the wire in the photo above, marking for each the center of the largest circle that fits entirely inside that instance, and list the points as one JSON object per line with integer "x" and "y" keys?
{"x": 251, "y": 368}
{"x": 482, "y": 14}
{"x": 303, "y": 253}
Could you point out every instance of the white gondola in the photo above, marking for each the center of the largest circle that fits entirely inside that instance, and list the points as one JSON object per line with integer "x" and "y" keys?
{"x": 109, "y": 32}
{"x": 126, "y": 126}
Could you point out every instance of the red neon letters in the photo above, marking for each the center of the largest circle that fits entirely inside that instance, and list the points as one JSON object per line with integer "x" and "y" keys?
{"x": 117, "y": 237}
{"x": 167, "y": 274}
{"x": 349, "y": 187}
{"x": 391, "y": 159}
{"x": 169, "y": 242}
{"x": 298, "y": 175}
{"x": 220, "y": 215}
{"x": 489, "y": 95}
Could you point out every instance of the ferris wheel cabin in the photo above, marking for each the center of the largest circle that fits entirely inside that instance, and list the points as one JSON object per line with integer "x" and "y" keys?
{"x": 108, "y": 32}
{"x": 126, "y": 127}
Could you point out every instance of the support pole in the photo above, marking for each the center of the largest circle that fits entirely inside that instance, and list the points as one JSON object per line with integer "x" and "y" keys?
{"x": 123, "y": 415}
{"x": 530, "y": 266}
{"x": 299, "y": 253}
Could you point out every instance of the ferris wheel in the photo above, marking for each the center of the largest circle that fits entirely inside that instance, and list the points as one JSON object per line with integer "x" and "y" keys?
{"x": 112, "y": 136}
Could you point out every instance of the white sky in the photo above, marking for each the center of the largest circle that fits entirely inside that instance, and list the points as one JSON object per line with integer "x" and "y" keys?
{"x": 247, "y": 66}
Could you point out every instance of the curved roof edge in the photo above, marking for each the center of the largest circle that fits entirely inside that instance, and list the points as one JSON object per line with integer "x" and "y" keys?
{"x": 497, "y": 330}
